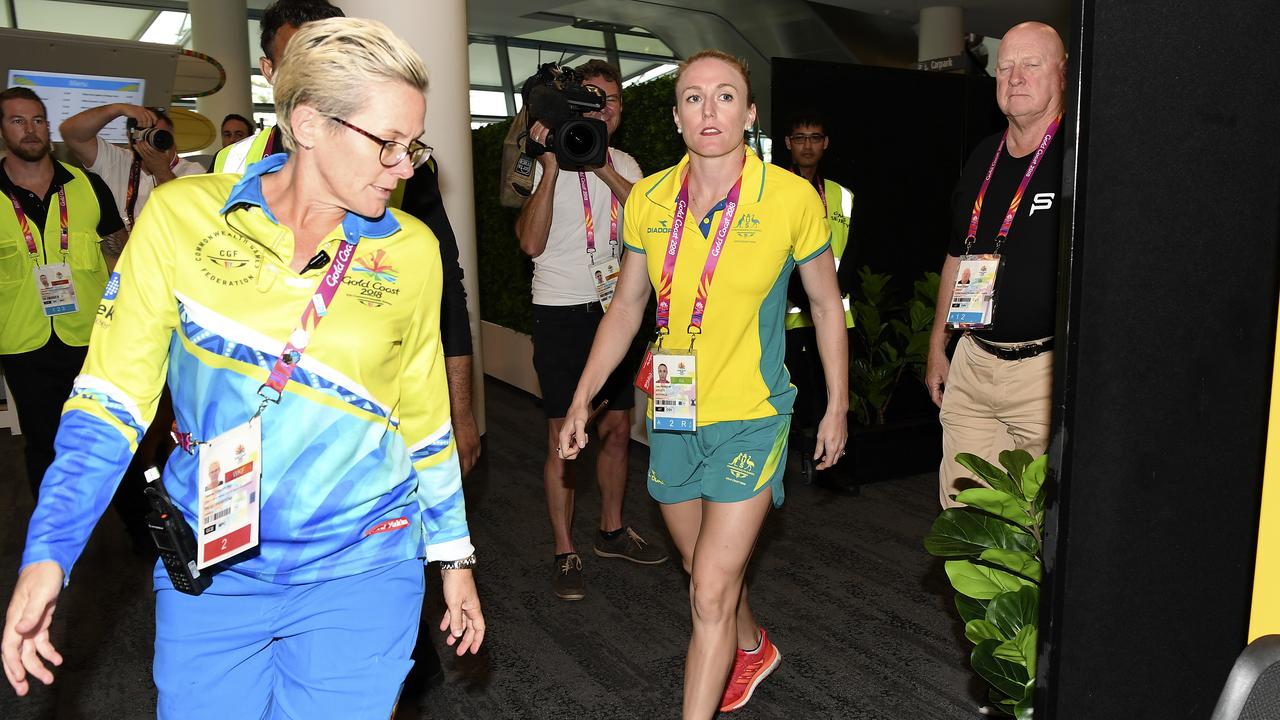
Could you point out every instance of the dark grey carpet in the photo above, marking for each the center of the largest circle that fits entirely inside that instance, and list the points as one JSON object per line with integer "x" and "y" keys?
{"x": 861, "y": 614}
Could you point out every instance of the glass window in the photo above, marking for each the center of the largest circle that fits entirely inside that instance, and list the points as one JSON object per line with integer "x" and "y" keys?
{"x": 74, "y": 18}
{"x": 268, "y": 119}
{"x": 255, "y": 49}
{"x": 169, "y": 28}
{"x": 635, "y": 72}
{"x": 525, "y": 61}
{"x": 483, "y": 61}
{"x": 260, "y": 90}
{"x": 569, "y": 35}
{"x": 488, "y": 102}
{"x": 641, "y": 44}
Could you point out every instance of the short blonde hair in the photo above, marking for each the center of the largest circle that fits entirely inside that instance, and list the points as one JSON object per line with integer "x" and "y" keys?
{"x": 330, "y": 65}
{"x": 736, "y": 63}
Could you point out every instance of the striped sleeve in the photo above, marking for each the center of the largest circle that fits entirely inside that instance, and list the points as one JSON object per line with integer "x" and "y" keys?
{"x": 424, "y": 424}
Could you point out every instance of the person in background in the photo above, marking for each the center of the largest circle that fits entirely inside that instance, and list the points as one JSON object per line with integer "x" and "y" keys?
{"x": 41, "y": 351}
{"x": 571, "y": 222}
{"x": 327, "y": 415}
{"x": 235, "y": 127}
{"x": 807, "y": 141}
{"x": 730, "y": 229}
{"x": 995, "y": 391}
{"x": 131, "y": 172}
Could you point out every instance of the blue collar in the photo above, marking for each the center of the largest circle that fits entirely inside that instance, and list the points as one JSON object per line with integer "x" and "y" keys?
{"x": 249, "y": 192}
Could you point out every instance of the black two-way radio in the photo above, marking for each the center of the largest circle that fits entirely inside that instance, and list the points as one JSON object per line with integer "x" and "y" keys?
{"x": 173, "y": 538}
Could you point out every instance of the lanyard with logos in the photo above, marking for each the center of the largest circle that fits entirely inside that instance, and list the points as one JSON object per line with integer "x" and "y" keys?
{"x": 974, "y": 294}
{"x": 25, "y": 226}
{"x": 231, "y": 464}
{"x": 604, "y": 273}
{"x": 54, "y": 285}
{"x": 670, "y": 376}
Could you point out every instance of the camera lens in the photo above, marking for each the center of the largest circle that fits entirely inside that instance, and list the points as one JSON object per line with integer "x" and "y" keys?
{"x": 577, "y": 140}
{"x": 160, "y": 139}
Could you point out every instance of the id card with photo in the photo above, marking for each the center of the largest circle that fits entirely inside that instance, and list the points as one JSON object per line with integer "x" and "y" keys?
{"x": 230, "y": 494}
{"x": 973, "y": 297}
{"x": 675, "y": 391}
{"x": 57, "y": 291}
{"x": 604, "y": 277}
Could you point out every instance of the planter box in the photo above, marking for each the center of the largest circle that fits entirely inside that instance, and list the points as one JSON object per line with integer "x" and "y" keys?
{"x": 911, "y": 446}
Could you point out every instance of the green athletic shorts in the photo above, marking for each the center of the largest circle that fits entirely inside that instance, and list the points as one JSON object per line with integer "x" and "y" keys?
{"x": 721, "y": 462}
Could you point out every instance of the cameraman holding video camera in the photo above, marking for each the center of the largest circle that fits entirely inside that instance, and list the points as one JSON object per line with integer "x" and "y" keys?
{"x": 571, "y": 226}
{"x": 152, "y": 157}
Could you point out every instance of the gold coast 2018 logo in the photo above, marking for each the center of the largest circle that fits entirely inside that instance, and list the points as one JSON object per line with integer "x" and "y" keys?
{"x": 227, "y": 259}
{"x": 373, "y": 279}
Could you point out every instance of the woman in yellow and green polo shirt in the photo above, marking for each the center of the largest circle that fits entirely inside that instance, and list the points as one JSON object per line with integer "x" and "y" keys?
{"x": 722, "y": 292}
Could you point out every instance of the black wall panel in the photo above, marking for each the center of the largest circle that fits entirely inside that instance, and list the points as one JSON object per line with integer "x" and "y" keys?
{"x": 1171, "y": 230}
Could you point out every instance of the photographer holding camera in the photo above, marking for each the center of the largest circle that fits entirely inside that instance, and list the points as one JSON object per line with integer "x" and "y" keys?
{"x": 152, "y": 157}
{"x": 571, "y": 226}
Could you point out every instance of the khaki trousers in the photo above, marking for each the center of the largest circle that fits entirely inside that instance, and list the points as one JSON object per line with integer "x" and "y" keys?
{"x": 989, "y": 406}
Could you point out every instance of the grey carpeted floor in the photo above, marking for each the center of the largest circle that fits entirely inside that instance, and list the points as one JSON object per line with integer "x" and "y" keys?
{"x": 861, "y": 614}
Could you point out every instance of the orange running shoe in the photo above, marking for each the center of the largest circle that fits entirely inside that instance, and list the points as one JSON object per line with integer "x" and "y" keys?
{"x": 749, "y": 670}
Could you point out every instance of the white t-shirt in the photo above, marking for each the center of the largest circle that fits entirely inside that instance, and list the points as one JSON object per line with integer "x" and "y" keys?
{"x": 113, "y": 164}
{"x": 560, "y": 273}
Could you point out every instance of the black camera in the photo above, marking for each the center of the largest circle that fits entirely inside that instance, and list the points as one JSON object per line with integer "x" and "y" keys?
{"x": 557, "y": 97}
{"x": 154, "y": 136}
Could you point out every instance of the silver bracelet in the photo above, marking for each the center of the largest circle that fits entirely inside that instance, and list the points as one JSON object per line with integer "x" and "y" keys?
{"x": 465, "y": 563}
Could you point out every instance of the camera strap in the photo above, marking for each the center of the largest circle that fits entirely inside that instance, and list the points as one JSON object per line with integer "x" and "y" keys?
{"x": 131, "y": 192}
{"x": 586, "y": 212}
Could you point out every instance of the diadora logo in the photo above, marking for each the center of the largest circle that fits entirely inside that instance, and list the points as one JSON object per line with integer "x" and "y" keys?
{"x": 661, "y": 228}
{"x": 394, "y": 524}
{"x": 227, "y": 259}
{"x": 373, "y": 279}
{"x": 741, "y": 467}
{"x": 1042, "y": 201}
{"x": 747, "y": 225}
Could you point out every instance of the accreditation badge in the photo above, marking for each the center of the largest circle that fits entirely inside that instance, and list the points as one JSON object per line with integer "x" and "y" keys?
{"x": 974, "y": 294}
{"x": 604, "y": 277}
{"x": 230, "y": 493}
{"x": 675, "y": 391}
{"x": 57, "y": 290}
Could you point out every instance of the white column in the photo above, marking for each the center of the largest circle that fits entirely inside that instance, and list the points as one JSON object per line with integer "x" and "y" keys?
{"x": 219, "y": 29}
{"x": 941, "y": 32}
{"x": 438, "y": 31}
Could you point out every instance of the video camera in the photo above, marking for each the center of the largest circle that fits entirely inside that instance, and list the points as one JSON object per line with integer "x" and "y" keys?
{"x": 557, "y": 97}
{"x": 154, "y": 136}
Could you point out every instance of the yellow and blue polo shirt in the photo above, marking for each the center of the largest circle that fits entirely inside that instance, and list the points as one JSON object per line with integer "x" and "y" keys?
{"x": 358, "y": 467}
{"x": 779, "y": 224}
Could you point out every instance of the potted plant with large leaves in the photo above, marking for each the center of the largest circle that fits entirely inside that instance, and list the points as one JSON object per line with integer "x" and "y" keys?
{"x": 993, "y": 547}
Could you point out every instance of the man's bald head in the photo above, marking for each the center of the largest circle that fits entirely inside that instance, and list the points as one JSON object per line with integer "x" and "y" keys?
{"x": 1031, "y": 72}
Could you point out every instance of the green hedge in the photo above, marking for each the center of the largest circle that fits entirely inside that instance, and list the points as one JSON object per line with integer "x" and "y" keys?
{"x": 647, "y": 133}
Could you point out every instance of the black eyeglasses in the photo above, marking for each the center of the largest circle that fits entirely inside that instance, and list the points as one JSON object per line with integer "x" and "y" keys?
{"x": 812, "y": 138}
{"x": 392, "y": 152}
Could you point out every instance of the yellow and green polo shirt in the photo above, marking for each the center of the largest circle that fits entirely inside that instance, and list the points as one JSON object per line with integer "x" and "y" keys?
{"x": 779, "y": 224}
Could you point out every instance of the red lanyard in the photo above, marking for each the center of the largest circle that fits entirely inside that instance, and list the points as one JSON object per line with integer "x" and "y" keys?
{"x": 586, "y": 211}
{"x": 25, "y": 226}
{"x": 312, "y": 314}
{"x": 708, "y": 270}
{"x": 1017, "y": 196}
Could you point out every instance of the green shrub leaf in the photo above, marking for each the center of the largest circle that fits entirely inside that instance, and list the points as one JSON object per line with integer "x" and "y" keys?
{"x": 1008, "y": 677}
{"x": 1020, "y": 563}
{"x": 979, "y": 630}
{"x": 1015, "y": 610}
{"x": 992, "y": 475}
{"x": 964, "y": 532}
{"x": 1024, "y": 710}
{"x": 1021, "y": 649}
{"x": 1015, "y": 461}
{"x": 980, "y": 581}
{"x": 1033, "y": 479}
{"x": 971, "y": 608}
{"x": 998, "y": 503}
